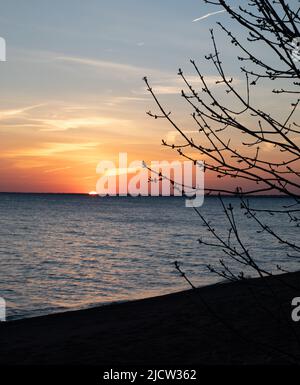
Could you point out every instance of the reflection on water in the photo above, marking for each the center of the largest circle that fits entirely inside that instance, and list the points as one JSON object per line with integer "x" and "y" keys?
{"x": 71, "y": 251}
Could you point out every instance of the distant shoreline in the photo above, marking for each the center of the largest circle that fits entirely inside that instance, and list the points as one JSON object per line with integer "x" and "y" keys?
{"x": 142, "y": 196}
{"x": 230, "y": 323}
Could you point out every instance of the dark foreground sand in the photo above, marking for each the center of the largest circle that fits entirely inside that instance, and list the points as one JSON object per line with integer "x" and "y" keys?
{"x": 236, "y": 323}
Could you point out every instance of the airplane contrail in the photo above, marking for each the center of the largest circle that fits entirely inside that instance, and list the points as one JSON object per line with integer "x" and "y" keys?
{"x": 208, "y": 15}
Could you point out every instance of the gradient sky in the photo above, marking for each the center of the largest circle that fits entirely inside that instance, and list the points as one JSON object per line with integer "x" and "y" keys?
{"x": 72, "y": 91}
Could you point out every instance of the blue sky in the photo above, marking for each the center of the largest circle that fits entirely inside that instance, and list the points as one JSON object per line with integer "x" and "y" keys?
{"x": 152, "y": 35}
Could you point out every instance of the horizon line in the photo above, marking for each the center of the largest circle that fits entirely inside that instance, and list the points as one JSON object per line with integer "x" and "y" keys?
{"x": 144, "y": 196}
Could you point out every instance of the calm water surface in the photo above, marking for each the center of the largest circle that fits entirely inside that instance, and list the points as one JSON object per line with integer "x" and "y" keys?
{"x": 60, "y": 252}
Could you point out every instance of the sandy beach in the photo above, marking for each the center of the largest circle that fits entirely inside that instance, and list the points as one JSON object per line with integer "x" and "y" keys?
{"x": 228, "y": 323}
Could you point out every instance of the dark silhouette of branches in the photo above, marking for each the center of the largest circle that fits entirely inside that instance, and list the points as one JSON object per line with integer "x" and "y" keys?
{"x": 183, "y": 275}
{"x": 274, "y": 24}
{"x": 240, "y": 139}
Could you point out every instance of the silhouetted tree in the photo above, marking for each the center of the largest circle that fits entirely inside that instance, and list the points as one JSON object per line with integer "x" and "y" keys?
{"x": 235, "y": 130}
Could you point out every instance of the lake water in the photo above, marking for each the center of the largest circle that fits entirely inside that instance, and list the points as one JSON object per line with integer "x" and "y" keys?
{"x": 61, "y": 252}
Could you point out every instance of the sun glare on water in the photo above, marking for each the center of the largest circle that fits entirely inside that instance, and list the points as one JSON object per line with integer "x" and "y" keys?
{"x": 93, "y": 193}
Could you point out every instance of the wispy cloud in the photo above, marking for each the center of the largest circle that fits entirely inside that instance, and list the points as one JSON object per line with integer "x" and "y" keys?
{"x": 73, "y": 123}
{"x": 6, "y": 114}
{"x": 103, "y": 64}
{"x": 170, "y": 86}
{"x": 51, "y": 149}
{"x": 54, "y": 170}
{"x": 208, "y": 15}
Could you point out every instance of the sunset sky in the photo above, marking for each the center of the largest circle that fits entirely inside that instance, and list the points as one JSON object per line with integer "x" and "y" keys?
{"x": 72, "y": 92}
